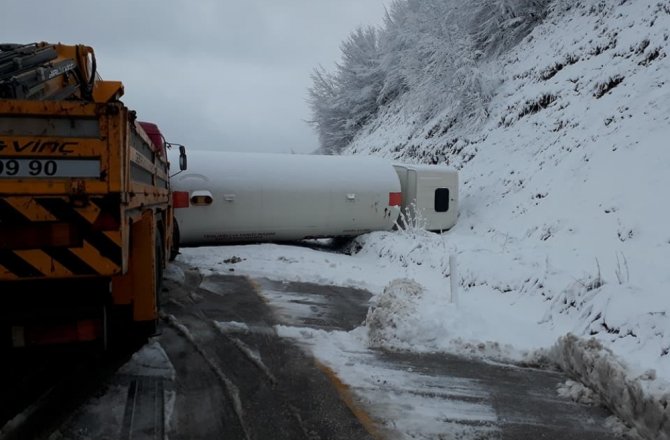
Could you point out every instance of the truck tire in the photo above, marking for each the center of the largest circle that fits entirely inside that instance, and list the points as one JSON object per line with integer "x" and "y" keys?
{"x": 123, "y": 334}
{"x": 174, "y": 250}
{"x": 160, "y": 260}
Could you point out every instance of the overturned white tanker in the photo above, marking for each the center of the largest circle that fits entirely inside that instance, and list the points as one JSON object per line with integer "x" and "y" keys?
{"x": 227, "y": 197}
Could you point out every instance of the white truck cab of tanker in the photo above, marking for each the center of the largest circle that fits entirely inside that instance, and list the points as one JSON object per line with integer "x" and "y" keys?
{"x": 430, "y": 195}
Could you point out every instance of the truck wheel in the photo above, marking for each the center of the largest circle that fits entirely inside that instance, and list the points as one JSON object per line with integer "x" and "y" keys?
{"x": 174, "y": 251}
{"x": 123, "y": 333}
{"x": 146, "y": 329}
{"x": 160, "y": 259}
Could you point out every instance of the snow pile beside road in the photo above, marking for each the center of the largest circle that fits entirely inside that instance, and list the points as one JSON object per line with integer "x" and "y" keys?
{"x": 174, "y": 273}
{"x": 648, "y": 410}
{"x": 151, "y": 360}
{"x": 407, "y": 316}
{"x": 578, "y": 393}
{"x": 394, "y": 321}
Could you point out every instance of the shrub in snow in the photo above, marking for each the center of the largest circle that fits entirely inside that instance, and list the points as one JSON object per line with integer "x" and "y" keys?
{"x": 392, "y": 322}
{"x": 412, "y": 219}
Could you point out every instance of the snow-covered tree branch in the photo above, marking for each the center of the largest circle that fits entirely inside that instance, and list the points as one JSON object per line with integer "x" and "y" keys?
{"x": 434, "y": 48}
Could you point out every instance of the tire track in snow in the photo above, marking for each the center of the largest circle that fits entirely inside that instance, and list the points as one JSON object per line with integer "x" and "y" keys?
{"x": 231, "y": 389}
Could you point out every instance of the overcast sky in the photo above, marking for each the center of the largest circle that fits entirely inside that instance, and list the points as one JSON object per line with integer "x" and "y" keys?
{"x": 214, "y": 74}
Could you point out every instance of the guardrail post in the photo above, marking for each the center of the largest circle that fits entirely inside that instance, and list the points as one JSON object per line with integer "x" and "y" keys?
{"x": 452, "y": 279}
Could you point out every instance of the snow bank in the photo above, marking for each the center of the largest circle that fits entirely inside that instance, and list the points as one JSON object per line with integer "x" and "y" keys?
{"x": 513, "y": 305}
{"x": 628, "y": 397}
{"x": 151, "y": 360}
{"x": 415, "y": 316}
{"x": 393, "y": 321}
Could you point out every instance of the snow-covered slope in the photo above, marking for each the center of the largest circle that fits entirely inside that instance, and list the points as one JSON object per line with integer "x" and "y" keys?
{"x": 564, "y": 190}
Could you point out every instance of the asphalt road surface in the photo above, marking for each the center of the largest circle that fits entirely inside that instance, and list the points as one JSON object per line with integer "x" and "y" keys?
{"x": 219, "y": 370}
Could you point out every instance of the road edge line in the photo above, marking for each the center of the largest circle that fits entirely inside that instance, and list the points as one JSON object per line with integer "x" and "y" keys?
{"x": 348, "y": 398}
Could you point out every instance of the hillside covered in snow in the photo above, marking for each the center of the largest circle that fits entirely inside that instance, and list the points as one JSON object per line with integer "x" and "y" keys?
{"x": 557, "y": 116}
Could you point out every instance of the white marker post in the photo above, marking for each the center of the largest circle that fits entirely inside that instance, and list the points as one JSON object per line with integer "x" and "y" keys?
{"x": 452, "y": 279}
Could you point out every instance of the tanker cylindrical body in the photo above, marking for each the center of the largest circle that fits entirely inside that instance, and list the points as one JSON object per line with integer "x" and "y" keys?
{"x": 227, "y": 197}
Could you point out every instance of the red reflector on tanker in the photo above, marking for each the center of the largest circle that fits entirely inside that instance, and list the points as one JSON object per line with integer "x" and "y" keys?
{"x": 180, "y": 199}
{"x": 395, "y": 199}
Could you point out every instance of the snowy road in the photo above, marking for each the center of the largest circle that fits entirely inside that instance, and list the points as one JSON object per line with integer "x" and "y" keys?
{"x": 252, "y": 358}
{"x": 429, "y": 396}
{"x": 259, "y": 359}
{"x": 204, "y": 377}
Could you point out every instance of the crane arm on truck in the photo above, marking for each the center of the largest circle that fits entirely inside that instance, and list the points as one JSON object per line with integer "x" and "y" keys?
{"x": 54, "y": 72}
